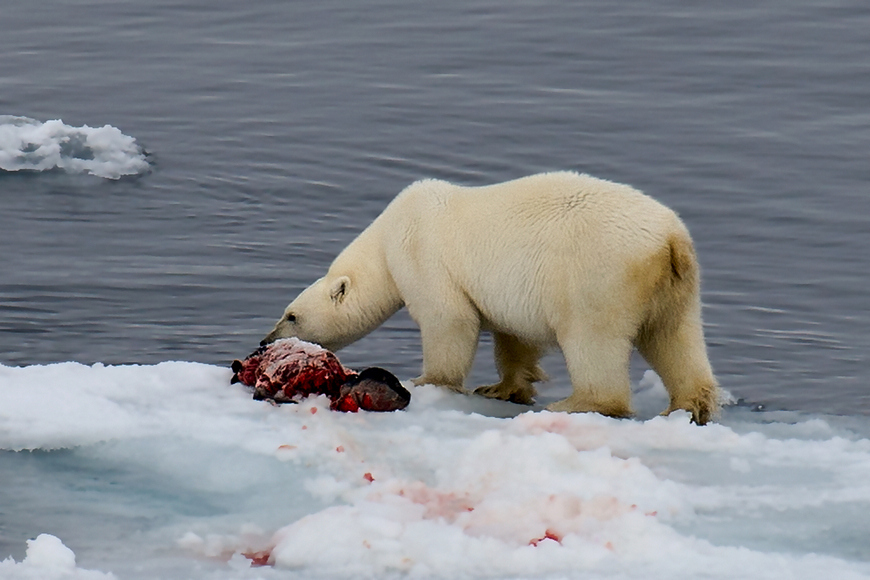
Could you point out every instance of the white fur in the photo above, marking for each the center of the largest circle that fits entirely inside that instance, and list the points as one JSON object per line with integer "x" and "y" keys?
{"x": 551, "y": 260}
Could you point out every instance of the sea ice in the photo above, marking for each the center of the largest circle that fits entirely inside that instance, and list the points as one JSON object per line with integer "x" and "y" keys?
{"x": 48, "y": 559}
{"x": 168, "y": 471}
{"x": 29, "y": 145}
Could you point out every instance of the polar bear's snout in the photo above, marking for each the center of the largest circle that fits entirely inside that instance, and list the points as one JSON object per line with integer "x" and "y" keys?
{"x": 281, "y": 330}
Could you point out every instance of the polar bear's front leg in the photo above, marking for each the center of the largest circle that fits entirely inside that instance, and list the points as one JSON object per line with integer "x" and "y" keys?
{"x": 449, "y": 345}
{"x": 517, "y": 365}
{"x": 598, "y": 366}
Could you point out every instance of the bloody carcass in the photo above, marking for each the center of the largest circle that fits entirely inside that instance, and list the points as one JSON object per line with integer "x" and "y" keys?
{"x": 289, "y": 370}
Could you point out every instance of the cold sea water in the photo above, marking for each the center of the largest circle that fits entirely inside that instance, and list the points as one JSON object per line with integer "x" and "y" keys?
{"x": 172, "y": 173}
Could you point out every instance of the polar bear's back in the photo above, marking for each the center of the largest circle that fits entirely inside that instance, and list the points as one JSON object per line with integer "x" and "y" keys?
{"x": 564, "y": 213}
{"x": 527, "y": 250}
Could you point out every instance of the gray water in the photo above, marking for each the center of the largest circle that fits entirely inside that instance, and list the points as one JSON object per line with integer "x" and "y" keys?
{"x": 278, "y": 130}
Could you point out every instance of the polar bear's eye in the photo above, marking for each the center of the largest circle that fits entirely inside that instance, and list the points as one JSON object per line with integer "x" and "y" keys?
{"x": 291, "y": 317}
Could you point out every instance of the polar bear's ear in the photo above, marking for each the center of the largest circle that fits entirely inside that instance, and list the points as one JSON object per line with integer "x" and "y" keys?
{"x": 339, "y": 289}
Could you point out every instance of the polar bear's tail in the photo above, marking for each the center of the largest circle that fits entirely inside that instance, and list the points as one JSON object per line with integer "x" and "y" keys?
{"x": 684, "y": 264}
{"x": 677, "y": 288}
{"x": 671, "y": 339}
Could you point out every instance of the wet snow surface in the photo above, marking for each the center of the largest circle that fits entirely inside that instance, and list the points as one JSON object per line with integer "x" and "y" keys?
{"x": 168, "y": 471}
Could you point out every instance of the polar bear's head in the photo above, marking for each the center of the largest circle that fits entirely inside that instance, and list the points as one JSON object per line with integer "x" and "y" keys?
{"x": 316, "y": 315}
{"x": 336, "y": 310}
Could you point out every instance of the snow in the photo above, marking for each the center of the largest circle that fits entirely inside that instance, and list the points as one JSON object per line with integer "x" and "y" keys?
{"x": 168, "y": 471}
{"x": 29, "y": 145}
{"x": 48, "y": 559}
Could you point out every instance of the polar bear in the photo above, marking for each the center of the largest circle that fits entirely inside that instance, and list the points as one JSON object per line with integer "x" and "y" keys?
{"x": 562, "y": 259}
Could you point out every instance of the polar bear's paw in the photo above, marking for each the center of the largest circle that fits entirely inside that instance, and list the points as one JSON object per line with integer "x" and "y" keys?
{"x": 522, "y": 394}
{"x": 450, "y": 386}
{"x": 574, "y": 404}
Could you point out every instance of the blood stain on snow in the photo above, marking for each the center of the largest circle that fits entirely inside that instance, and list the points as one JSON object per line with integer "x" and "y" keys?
{"x": 438, "y": 504}
{"x": 368, "y": 477}
{"x": 258, "y": 559}
{"x": 548, "y": 535}
{"x": 340, "y": 449}
{"x": 651, "y": 514}
{"x": 537, "y": 423}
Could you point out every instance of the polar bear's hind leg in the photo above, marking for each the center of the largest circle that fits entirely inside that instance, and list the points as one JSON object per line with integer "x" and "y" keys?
{"x": 677, "y": 355}
{"x": 517, "y": 365}
{"x": 671, "y": 340}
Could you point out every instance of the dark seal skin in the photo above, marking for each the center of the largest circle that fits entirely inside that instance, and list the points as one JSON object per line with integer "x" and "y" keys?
{"x": 374, "y": 389}
{"x": 289, "y": 370}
